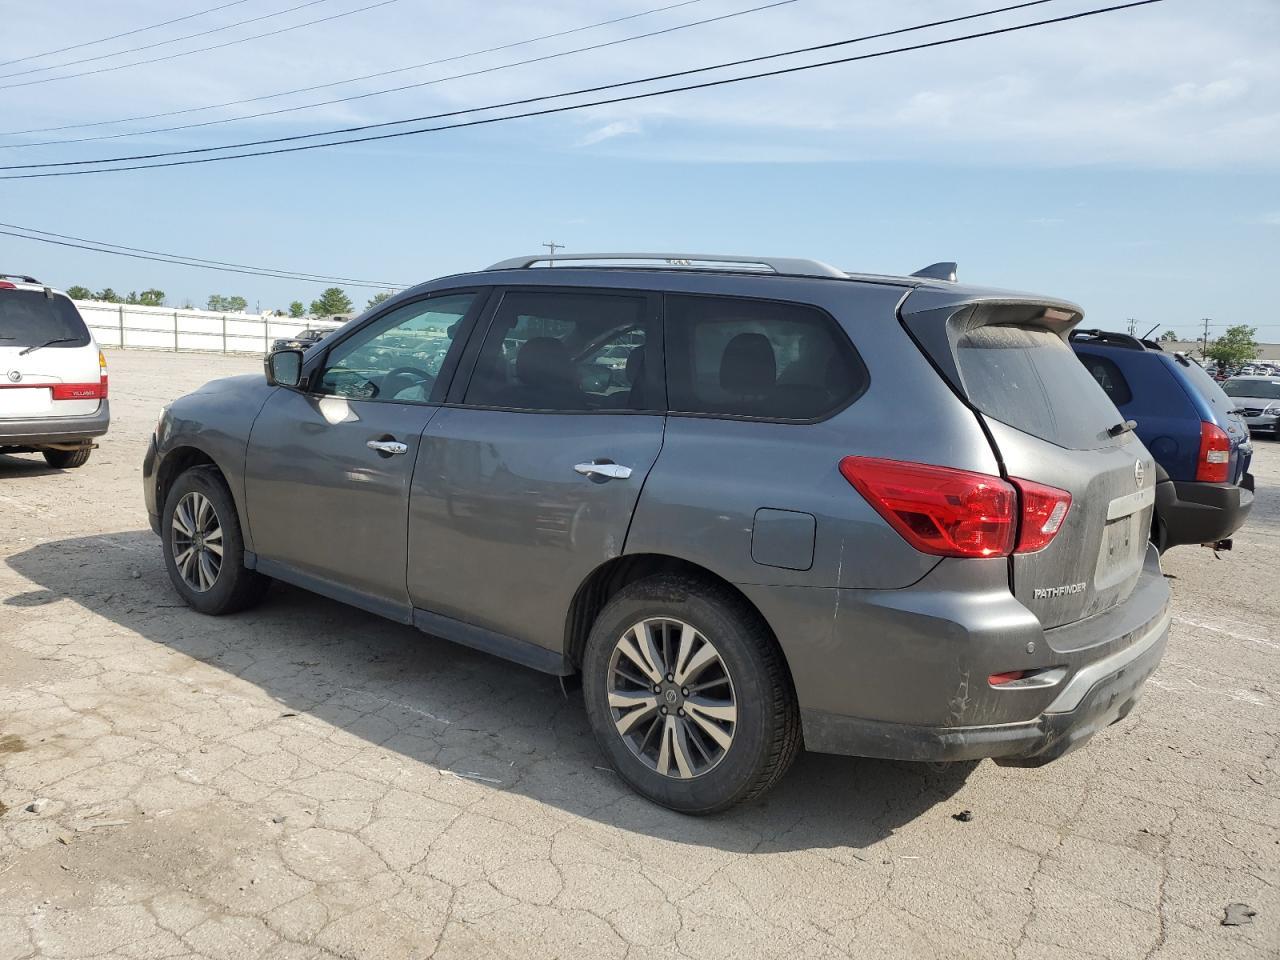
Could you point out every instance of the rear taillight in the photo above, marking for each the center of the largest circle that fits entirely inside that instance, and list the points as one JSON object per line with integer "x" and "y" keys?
{"x": 102, "y": 373}
{"x": 79, "y": 391}
{"x": 1044, "y": 508}
{"x": 938, "y": 510}
{"x": 1215, "y": 454}
{"x": 958, "y": 513}
{"x": 6, "y": 285}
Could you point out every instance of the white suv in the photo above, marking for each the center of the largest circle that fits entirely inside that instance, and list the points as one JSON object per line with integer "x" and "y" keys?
{"x": 53, "y": 378}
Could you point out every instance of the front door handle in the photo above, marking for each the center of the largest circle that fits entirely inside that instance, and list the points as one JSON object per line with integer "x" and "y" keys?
{"x": 603, "y": 470}
{"x": 388, "y": 447}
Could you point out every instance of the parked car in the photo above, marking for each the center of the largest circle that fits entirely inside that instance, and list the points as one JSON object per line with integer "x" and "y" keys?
{"x": 302, "y": 341}
{"x": 1204, "y": 490}
{"x": 1257, "y": 399}
{"x": 879, "y": 516}
{"x": 53, "y": 378}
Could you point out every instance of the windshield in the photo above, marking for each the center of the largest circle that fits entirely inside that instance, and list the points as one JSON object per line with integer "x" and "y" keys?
{"x": 29, "y": 318}
{"x": 1263, "y": 389}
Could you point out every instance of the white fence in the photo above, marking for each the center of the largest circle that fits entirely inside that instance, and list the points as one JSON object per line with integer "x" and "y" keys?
{"x": 162, "y": 328}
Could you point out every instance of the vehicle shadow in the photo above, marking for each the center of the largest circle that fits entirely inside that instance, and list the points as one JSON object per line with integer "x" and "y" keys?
{"x": 458, "y": 710}
{"x": 13, "y": 465}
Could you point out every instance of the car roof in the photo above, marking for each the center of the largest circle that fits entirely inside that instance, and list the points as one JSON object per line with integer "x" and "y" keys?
{"x": 1258, "y": 377}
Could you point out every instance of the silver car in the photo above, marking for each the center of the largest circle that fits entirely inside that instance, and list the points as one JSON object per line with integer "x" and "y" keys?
{"x": 1257, "y": 398}
{"x": 883, "y": 516}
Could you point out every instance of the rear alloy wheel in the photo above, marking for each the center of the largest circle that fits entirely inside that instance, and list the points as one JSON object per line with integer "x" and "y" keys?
{"x": 688, "y": 694}
{"x": 203, "y": 546}
{"x": 671, "y": 698}
{"x": 67, "y": 459}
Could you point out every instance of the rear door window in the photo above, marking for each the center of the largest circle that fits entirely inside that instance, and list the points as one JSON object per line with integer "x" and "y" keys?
{"x": 1109, "y": 378}
{"x": 757, "y": 358}
{"x": 570, "y": 351}
{"x": 29, "y": 318}
{"x": 1030, "y": 379}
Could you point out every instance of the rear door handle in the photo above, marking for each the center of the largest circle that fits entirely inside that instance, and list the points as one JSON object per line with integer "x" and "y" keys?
{"x": 388, "y": 447}
{"x": 603, "y": 469}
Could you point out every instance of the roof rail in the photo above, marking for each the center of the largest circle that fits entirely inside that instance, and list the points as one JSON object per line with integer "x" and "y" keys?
{"x": 18, "y": 276}
{"x": 1110, "y": 338}
{"x": 784, "y": 266}
{"x": 942, "y": 270}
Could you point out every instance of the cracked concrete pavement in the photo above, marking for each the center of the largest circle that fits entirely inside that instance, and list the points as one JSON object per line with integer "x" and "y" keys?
{"x": 307, "y": 781}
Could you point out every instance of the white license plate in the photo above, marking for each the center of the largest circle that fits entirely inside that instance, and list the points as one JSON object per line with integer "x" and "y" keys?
{"x": 25, "y": 401}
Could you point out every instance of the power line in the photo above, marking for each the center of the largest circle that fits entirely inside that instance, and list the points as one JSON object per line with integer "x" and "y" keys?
{"x": 548, "y": 111}
{"x": 338, "y": 83}
{"x": 138, "y": 253}
{"x": 161, "y": 43}
{"x": 187, "y": 53}
{"x": 424, "y": 83}
{"x": 127, "y": 33}
{"x": 584, "y": 90}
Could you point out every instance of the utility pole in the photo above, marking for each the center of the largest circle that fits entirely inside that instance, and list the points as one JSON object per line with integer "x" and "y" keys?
{"x": 1133, "y": 327}
{"x": 1204, "y": 342}
{"x": 553, "y": 247}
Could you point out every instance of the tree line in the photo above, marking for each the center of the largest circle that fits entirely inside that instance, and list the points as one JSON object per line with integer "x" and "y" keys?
{"x": 332, "y": 302}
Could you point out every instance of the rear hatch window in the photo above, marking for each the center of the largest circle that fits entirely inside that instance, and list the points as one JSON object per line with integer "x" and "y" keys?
{"x": 30, "y": 318}
{"x": 1030, "y": 379}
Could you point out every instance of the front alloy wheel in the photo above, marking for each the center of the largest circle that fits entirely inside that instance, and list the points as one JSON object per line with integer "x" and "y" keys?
{"x": 197, "y": 542}
{"x": 671, "y": 698}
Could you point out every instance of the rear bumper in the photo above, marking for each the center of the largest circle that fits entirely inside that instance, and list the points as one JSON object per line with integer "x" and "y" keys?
{"x": 1192, "y": 512}
{"x": 1095, "y": 697}
{"x": 27, "y": 433}
{"x": 909, "y": 672}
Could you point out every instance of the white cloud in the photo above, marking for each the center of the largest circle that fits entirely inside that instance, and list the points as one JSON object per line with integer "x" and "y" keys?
{"x": 618, "y": 128}
{"x": 1168, "y": 85}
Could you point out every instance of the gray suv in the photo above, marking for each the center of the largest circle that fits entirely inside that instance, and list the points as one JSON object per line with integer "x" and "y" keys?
{"x": 871, "y": 515}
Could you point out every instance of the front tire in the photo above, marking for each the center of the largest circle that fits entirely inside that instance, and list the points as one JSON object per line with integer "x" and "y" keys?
{"x": 67, "y": 459}
{"x": 688, "y": 695}
{"x": 203, "y": 545}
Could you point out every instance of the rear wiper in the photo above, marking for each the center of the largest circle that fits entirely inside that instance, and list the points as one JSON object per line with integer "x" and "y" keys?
{"x": 1123, "y": 427}
{"x": 47, "y": 343}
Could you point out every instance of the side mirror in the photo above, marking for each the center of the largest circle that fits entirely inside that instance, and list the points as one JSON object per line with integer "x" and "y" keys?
{"x": 284, "y": 368}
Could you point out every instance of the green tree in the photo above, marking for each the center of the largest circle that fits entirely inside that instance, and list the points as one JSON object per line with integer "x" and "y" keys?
{"x": 237, "y": 304}
{"x": 1234, "y": 347}
{"x": 79, "y": 293}
{"x": 333, "y": 301}
{"x": 1168, "y": 336}
{"x": 151, "y": 298}
{"x": 376, "y": 299}
{"x": 107, "y": 294}
{"x": 297, "y": 310}
{"x": 132, "y": 297}
{"x": 218, "y": 302}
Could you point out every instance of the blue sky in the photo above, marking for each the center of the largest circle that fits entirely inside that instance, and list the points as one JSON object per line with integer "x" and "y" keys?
{"x": 1127, "y": 162}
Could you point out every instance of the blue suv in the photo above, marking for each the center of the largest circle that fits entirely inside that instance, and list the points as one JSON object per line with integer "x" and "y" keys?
{"x": 1201, "y": 446}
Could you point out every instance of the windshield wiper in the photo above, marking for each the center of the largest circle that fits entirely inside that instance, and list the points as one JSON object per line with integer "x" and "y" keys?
{"x": 1123, "y": 427}
{"x": 47, "y": 343}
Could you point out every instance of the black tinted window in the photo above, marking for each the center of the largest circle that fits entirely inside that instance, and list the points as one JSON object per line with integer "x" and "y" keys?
{"x": 28, "y": 317}
{"x": 1030, "y": 379}
{"x": 756, "y": 358}
{"x": 1108, "y": 377}
{"x": 1200, "y": 381}
{"x": 568, "y": 351}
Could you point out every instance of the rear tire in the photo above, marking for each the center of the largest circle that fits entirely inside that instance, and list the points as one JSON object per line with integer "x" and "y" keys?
{"x": 743, "y": 676}
{"x": 204, "y": 547}
{"x": 67, "y": 459}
